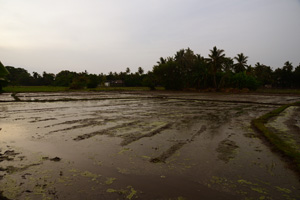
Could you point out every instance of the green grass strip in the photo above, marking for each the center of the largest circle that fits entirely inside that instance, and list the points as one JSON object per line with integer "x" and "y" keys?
{"x": 22, "y": 89}
{"x": 277, "y": 91}
{"x": 274, "y": 139}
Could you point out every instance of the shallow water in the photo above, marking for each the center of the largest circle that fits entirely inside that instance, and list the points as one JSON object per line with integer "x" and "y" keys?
{"x": 145, "y": 146}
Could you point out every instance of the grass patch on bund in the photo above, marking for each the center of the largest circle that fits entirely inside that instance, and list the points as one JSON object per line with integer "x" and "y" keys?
{"x": 277, "y": 91}
{"x": 279, "y": 144}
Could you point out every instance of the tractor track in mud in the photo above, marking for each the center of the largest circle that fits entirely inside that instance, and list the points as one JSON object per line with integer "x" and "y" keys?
{"x": 103, "y": 132}
{"x": 175, "y": 147}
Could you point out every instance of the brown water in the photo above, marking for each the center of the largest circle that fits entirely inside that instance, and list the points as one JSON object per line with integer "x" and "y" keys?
{"x": 140, "y": 146}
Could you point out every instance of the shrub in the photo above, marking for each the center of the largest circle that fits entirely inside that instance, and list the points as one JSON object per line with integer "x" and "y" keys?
{"x": 242, "y": 80}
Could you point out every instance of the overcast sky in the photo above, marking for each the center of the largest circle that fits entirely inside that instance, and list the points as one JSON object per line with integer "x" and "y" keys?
{"x": 111, "y": 35}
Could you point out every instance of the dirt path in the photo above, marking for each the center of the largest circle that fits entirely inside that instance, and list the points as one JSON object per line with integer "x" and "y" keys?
{"x": 140, "y": 146}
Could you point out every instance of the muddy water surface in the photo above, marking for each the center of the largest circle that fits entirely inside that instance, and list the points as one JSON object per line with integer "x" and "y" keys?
{"x": 140, "y": 146}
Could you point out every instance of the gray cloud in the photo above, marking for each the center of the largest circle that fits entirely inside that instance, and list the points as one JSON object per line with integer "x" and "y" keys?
{"x": 110, "y": 35}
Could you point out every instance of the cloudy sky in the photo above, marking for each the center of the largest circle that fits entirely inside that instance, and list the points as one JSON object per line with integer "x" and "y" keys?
{"x": 111, "y": 35}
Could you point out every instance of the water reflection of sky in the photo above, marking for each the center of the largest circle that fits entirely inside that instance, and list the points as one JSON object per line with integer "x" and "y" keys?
{"x": 10, "y": 132}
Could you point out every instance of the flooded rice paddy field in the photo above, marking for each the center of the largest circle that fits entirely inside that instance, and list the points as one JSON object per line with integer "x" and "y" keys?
{"x": 142, "y": 146}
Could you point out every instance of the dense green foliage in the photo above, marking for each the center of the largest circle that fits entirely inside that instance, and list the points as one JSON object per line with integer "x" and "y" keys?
{"x": 189, "y": 70}
{"x": 185, "y": 70}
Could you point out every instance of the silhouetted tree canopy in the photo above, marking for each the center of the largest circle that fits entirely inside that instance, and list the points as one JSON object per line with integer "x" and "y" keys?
{"x": 184, "y": 70}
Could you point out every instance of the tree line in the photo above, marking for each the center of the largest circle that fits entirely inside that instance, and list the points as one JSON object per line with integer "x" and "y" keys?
{"x": 184, "y": 70}
{"x": 189, "y": 70}
{"x": 74, "y": 80}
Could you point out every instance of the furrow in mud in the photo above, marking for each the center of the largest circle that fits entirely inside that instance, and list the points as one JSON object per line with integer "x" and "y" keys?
{"x": 93, "y": 123}
{"x": 43, "y": 120}
{"x": 202, "y": 129}
{"x": 132, "y": 138}
{"x": 81, "y": 121}
{"x": 168, "y": 153}
{"x": 104, "y": 131}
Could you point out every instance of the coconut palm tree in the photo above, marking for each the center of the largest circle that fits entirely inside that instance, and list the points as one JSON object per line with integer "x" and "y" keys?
{"x": 287, "y": 74}
{"x": 127, "y": 70}
{"x": 140, "y": 71}
{"x": 161, "y": 61}
{"x": 216, "y": 59}
{"x": 227, "y": 69}
{"x": 199, "y": 72}
{"x": 288, "y": 66}
{"x": 241, "y": 64}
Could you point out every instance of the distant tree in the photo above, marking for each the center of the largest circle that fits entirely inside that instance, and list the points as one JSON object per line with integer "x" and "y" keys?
{"x": 116, "y": 76}
{"x": 140, "y": 71}
{"x": 122, "y": 76}
{"x": 19, "y": 76}
{"x": 263, "y": 74}
{"x": 250, "y": 70}
{"x": 227, "y": 67}
{"x": 149, "y": 81}
{"x": 200, "y": 72}
{"x": 297, "y": 76}
{"x": 284, "y": 76}
{"x": 161, "y": 61}
{"x": 127, "y": 70}
{"x": 3, "y": 76}
{"x": 48, "y": 78}
{"x": 243, "y": 80}
{"x": 36, "y": 79}
{"x": 133, "y": 80}
{"x": 288, "y": 66}
{"x": 64, "y": 78}
{"x": 110, "y": 76}
{"x": 241, "y": 64}
{"x": 93, "y": 81}
{"x": 102, "y": 78}
{"x": 169, "y": 75}
{"x": 185, "y": 60}
{"x": 216, "y": 59}
{"x": 79, "y": 82}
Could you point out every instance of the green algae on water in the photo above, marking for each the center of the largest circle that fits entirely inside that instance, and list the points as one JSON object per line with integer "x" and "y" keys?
{"x": 285, "y": 190}
{"x": 130, "y": 192}
{"x": 90, "y": 175}
{"x": 259, "y": 190}
{"x": 133, "y": 192}
{"x": 110, "y": 181}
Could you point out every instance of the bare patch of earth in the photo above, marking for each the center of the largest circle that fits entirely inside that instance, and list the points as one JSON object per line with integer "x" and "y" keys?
{"x": 113, "y": 145}
{"x": 227, "y": 150}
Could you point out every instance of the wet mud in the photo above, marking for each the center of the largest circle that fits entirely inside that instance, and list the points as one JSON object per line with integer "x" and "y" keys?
{"x": 111, "y": 145}
{"x": 227, "y": 150}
